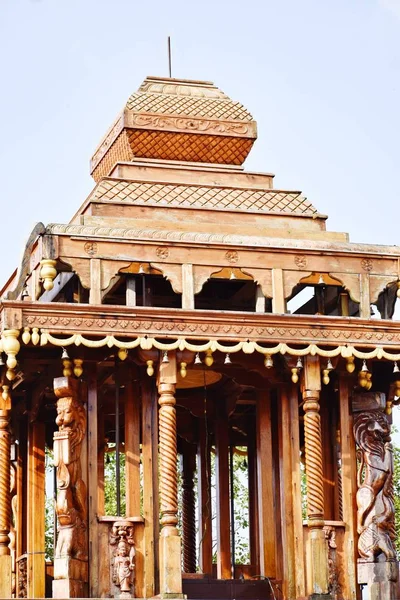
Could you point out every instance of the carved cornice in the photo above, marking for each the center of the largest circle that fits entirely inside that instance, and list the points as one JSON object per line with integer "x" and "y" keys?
{"x": 189, "y": 124}
{"x": 62, "y": 318}
{"x": 107, "y": 142}
{"x": 194, "y": 237}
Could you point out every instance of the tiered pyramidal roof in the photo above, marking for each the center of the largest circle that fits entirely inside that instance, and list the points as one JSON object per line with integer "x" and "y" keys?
{"x": 181, "y": 144}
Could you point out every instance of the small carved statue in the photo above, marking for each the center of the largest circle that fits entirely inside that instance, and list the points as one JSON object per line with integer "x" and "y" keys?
{"x": 22, "y": 577}
{"x": 71, "y": 490}
{"x": 335, "y": 588}
{"x": 375, "y": 507}
{"x": 123, "y": 567}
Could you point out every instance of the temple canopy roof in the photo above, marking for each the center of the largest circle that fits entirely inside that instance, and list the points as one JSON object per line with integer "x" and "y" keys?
{"x": 177, "y": 119}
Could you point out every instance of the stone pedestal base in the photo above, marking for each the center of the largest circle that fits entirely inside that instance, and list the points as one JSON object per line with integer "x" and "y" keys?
{"x": 170, "y": 567}
{"x": 320, "y": 597}
{"x": 381, "y": 578}
{"x": 5, "y": 576}
{"x": 70, "y": 578}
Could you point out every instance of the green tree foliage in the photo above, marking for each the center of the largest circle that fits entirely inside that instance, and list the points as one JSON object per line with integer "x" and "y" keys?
{"x": 241, "y": 504}
{"x": 110, "y": 488}
{"x": 396, "y": 490}
{"x": 49, "y": 505}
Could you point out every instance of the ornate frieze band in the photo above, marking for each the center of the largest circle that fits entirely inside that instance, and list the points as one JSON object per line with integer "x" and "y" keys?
{"x": 247, "y": 347}
{"x": 189, "y": 124}
{"x": 219, "y": 238}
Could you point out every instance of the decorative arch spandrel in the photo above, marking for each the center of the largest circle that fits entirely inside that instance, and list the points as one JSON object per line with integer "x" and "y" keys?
{"x": 172, "y": 273}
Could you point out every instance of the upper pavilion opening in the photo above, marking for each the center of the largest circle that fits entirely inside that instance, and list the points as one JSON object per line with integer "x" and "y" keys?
{"x": 179, "y": 120}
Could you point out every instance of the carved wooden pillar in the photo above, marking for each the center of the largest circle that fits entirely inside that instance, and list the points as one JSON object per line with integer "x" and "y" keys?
{"x": 265, "y": 493}
{"x": 377, "y": 562}
{"x": 224, "y": 565}
{"x": 204, "y": 495}
{"x": 35, "y": 546}
{"x": 188, "y": 509}
{"x": 5, "y": 505}
{"x": 314, "y": 473}
{"x": 150, "y": 484}
{"x": 170, "y": 541}
{"x": 71, "y": 555}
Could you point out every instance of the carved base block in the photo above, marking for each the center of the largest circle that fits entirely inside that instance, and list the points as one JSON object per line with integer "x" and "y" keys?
{"x": 69, "y": 588}
{"x": 320, "y": 597}
{"x": 5, "y": 576}
{"x": 170, "y": 567}
{"x": 381, "y": 578}
{"x": 70, "y": 578}
{"x": 319, "y": 562}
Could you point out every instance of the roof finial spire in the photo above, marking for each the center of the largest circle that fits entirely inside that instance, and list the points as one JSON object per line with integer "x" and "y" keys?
{"x": 169, "y": 56}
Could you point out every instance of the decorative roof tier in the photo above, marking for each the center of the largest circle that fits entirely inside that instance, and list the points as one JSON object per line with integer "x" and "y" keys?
{"x": 177, "y": 119}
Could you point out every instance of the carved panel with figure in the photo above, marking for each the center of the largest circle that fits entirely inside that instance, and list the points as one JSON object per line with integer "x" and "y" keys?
{"x": 375, "y": 506}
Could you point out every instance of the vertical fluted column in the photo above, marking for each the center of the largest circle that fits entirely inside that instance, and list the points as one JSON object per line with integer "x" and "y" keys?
{"x": 5, "y": 505}
{"x": 168, "y": 456}
{"x": 188, "y": 511}
{"x": 170, "y": 542}
{"x": 314, "y": 474}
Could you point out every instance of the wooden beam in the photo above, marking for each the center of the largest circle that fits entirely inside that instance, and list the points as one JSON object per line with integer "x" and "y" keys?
{"x": 188, "y": 507}
{"x": 131, "y": 295}
{"x": 36, "y": 510}
{"x": 150, "y": 487}
{"x": 253, "y": 501}
{"x": 204, "y": 503}
{"x": 260, "y": 300}
{"x": 93, "y": 487}
{"x": 222, "y": 494}
{"x": 287, "y": 516}
{"x": 132, "y": 450}
{"x": 278, "y": 294}
{"x": 95, "y": 281}
{"x": 365, "y": 301}
{"x": 266, "y": 504}
{"x": 349, "y": 487}
{"x": 329, "y": 446}
{"x": 187, "y": 286}
{"x": 300, "y": 591}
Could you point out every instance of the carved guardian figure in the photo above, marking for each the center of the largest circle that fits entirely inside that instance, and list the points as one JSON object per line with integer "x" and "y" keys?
{"x": 375, "y": 508}
{"x": 123, "y": 562}
{"x": 71, "y": 490}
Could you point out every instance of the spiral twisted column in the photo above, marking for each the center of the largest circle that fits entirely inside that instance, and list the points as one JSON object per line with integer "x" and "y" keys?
{"x": 313, "y": 451}
{"x": 168, "y": 456}
{"x": 5, "y": 497}
{"x": 315, "y": 488}
{"x": 188, "y": 514}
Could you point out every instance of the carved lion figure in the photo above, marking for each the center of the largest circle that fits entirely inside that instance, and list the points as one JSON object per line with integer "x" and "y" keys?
{"x": 71, "y": 497}
{"x": 375, "y": 508}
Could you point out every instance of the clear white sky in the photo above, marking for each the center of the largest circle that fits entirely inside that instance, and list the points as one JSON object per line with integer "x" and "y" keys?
{"x": 320, "y": 76}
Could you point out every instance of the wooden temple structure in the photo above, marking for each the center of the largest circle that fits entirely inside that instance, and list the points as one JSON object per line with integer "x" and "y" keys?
{"x": 187, "y": 314}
